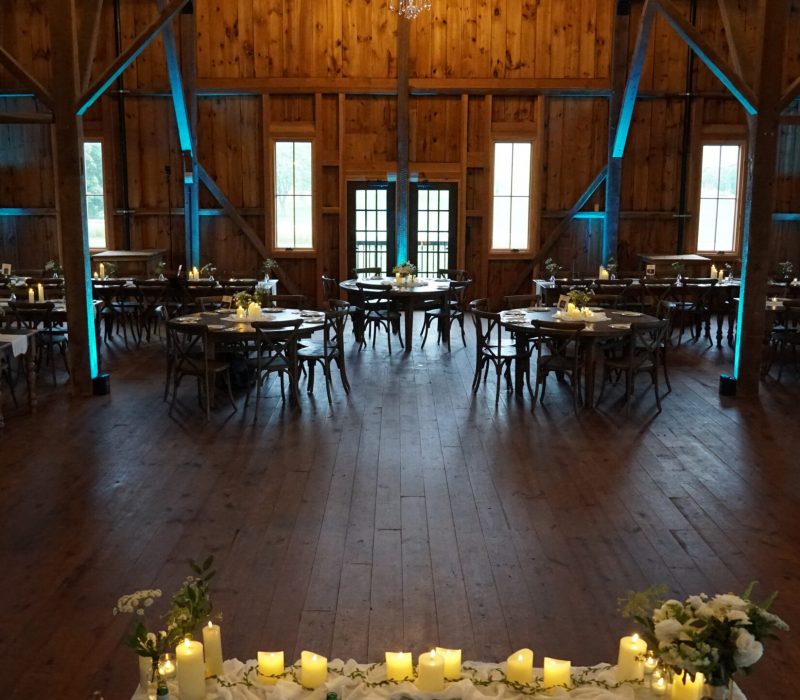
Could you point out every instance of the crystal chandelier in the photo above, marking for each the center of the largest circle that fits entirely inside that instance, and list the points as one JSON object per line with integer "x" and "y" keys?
{"x": 409, "y": 8}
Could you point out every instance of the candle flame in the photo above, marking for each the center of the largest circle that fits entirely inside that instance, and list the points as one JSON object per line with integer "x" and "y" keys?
{"x": 433, "y": 653}
{"x": 519, "y": 657}
{"x": 209, "y": 624}
{"x": 635, "y": 636}
{"x": 314, "y": 657}
{"x": 186, "y": 642}
{"x": 660, "y": 683}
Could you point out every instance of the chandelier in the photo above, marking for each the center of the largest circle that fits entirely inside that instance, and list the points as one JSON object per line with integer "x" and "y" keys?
{"x": 409, "y": 8}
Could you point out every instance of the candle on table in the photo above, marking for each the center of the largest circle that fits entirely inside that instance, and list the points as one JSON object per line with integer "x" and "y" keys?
{"x": 399, "y": 665}
{"x": 658, "y": 686}
{"x": 452, "y": 662}
{"x": 40, "y": 291}
{"x": 241, "y": 312}
{"x": 722, "y": 274}
{"x": 102, "y": 269}
{"x": 254, "y": 310}
{"x": 603, "y": 274}
{"x": 270, "y": 663}
{"x": 630, "y": 664}
{"x": 714, "y": 271}
{"x": 191, "y": 670}
{"x": 145, "y": 672}
{"x": 650, "y": 663}
{"x": 195, "y": 273}
{"x": 557, "y": 672}
{"x": 685, "y": 688}
{"x": 571, "y": 308}
{"x": 519, "y": 666}
{"x": 166, "y": 666}
{"x": 212, "y": 641}
{"x": 430, "y": 672}
{"x": 95, "y": 275}
{"x": 31, "y": 295}
{"x": 313, "y": 670}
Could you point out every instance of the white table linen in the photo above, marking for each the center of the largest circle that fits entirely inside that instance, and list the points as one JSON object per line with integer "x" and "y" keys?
{"x": 19, "y": 343}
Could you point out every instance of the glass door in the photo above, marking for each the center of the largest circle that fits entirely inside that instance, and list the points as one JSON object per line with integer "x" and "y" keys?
{"x": 370, "y": 225}
{"x": 432, "y": 229}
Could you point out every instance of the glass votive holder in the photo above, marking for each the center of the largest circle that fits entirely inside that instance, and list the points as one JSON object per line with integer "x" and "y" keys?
{"x": 166, "y": 666}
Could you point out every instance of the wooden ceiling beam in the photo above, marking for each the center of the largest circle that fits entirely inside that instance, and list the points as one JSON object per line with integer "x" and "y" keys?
{"x": 110, "y": 74}
{"x": 789, "y": 96}
{"x": 735, "y": 37}
{"x": 88, "y": 32}
{"x": 25, "y": 78}
{"x": 713, "y": 61}
{"x": 26, "y": 118}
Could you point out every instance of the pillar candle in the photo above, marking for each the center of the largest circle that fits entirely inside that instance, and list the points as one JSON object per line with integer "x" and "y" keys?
{"x": 241, "y": 312}
{"x": 40, "y": 291}
{"x": 397, "y": 279}
{"x": 145, "y": 672}
{"x": 31, "y": 295}
{"x": 95, "y": 275}
{"x": 684, "y": 688}
{"x": 714, "y": 272}
{"x": 603, "y": 274}
{"x": 722, "y": 274}
{"x": 313, "y": 670}
{"x": 452, "y": 662}
{"x": 102, "y": 269}
{"x": 195, "y": 273}
{"x": 254, "y": 310}
{"x": 519, "y": 666}
{"x": 270, "y": 663}
{"x": 212, "y": 641}
{"x": 630, "y": 662}
{"x": 399, "y": 665}
{"x": 557, "y": 672}
{"x": 571, "y": 308}
{"x": 430, "y": 672}
{"x": 191, "y": 670}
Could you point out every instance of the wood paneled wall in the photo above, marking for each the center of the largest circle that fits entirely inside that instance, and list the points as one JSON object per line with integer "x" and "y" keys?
{"x": 326, "y": 69}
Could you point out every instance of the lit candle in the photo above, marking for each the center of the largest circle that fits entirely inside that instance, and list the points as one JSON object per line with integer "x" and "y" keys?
{"x": 650, "y": 663}
{"x": 452, "y": 662}
{"x": 95, "y": 275}
{"x": 270, "y": 665}
{"x": 40, "y": 291}
{"x": 519, "y": 666}
{"x": 145, "y": 672}
{"x": 254, "y": 310}
{"x": 685, "y": 688}
{"x": 398, "y": 279}
{"x": 195, "y": 274}
{"x": 399, "y": 666}
{"x": 557, "y": 672}
{"x": 658, "y": 687}
{"x": 714, "y": 271}
{"x": 191, "y": 670}
{"x": 31, "y": 295}
{"x": 166, "y": 666}
{"x": 571, "y": 308}
{"x": 630, "y": 664}
{"x": 102, "y": 271}
{"x": 313, "y": 670}
{"x": 722, "y": 274}
{"x": 603, "y": 274}
{"x": 241, "y": 312}
{"x": 212, "y": 641}
{"x": 430, "y": 672}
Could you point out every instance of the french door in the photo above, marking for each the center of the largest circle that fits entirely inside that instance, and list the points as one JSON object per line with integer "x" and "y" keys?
{"x": 432, "y": 226}
{"x": 371, "y": 225}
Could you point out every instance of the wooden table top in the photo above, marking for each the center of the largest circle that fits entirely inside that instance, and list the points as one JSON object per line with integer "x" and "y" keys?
{"x": 424, "y": 287}
{"x": 224, "y": 321}
{"x": 617, "y": 322}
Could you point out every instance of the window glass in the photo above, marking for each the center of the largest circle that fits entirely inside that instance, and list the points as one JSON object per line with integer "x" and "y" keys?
{"x": 94, "y": 193}
{"x": 719, "y": 197}
{"x": 293, "y": 204}
{"x": 512, "y": 187}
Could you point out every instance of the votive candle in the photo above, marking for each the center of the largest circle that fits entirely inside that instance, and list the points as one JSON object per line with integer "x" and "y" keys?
{"x": 686, "y": 688}
{"x": 630, "y": 664}
{"x": 212, "y": 641}
{"x": 270, "y": 665}
{"x": 399, "y": 665}
{"x": 658, "y": 686}
{"x": 452, "y": 662}
{"x": 557, "y": 672}
{"x": 519, "y": 666}
{"x": 650, "y": 664}
{"x": 166, "y": 666}
{"x": 31, "y": 295}
{"x": 313, "y": 670}
{"x": 430, "y": 672}
{"x": 191, "y": 670}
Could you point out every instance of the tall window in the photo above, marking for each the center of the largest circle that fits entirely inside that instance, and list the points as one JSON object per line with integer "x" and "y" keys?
{"x": 719, "y": 197}
{"x": 512, "y": 195}
{"x": 293, "y": 211}
{"x": 94, "y": 193}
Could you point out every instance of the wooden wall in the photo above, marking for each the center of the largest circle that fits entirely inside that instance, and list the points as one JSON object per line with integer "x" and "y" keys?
{"x": 326, "y": 69}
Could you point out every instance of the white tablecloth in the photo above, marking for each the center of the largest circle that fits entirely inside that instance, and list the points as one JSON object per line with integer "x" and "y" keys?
{"x": 19, "y": 343}
{"x": 355, "y": 689}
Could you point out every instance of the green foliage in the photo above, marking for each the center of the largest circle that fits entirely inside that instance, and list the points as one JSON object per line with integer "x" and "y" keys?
{"x": 208, "y": 270}
{"x": 268, "y": 266}
{"x": 242, "y": 299}
{"x": 407, "y": 268}
{"x": 679, "y": 267}
{"x": 579, "y": 297}
{"x": 785, "y": 268}
{"x": 552, "y": 267}
{"x": 612, "y": 266}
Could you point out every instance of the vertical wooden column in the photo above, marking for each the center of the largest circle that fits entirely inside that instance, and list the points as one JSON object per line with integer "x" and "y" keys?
{"x": 619, "y": 65}
{"x": 73, "y": 230}
{"x": 401, "y": 196}
{"x": 191, "y": 180}
{"x": 757, "y": 243}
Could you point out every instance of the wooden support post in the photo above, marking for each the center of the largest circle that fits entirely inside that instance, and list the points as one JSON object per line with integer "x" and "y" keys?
{"x": 758, "y": 235}
{"x": 73, "y": 230}
{"x": 401, "y": 193}
{"x": 183, "y": 82}
{"x": 619, "y": 64}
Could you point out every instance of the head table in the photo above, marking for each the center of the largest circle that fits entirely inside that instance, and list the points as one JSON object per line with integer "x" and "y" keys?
{"x": 353, "y": 681}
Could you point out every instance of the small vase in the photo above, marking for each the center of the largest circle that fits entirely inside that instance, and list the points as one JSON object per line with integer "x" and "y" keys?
{"x": 148, "y": 676}
{"x": 719, "y": 692}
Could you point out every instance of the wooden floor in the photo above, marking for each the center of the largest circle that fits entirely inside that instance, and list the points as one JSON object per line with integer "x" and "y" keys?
{"x": 408, "y": 514}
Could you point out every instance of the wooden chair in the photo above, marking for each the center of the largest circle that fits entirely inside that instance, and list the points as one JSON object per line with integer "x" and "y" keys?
{"x": 121, "y": 307}
{"x": 286, "y": 301}
{"x": 212, "y": 303}
{"x": 330, "y": 351}
{"x": 330, "y": 288}
{"x": 153, "y": 295}
{"x": 449, "y": 311}
{"x": 275, "y": 352}
{"x": 49, "y": 335}
{"x": 192, "y": 357}
{"x": 379, "y": 313}
{"x": 367, "y": 272}
{"x": 605, "y": 301}
{"x": 490, "y": 350}
{"x": 452, "y": 274}
{"x": 786, "y": 336}
{"x": 642, "y": 353}
{"x": 521, "y": 301}
{"x": 558, "y": 350}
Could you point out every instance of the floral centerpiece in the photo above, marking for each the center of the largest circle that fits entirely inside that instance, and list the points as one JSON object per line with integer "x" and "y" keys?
{"x": 785, "y": 269}
{"x": 262, "y": 295}
{"x": 53, "y": 267}
{"x": 678, "y": 266}
{"x": 612, "y": 266}
{"x": 579, "y": 298}
{"x": 242, "y": 299}
{"x": 189, "y": 607}
{"x": 716, "y": 636}
{"x": 161, "y": 268}
{"x": 111, "y": 269}
{"x": 268, "y": 266}
{"x": 407, "y": 268}
{"x": 552, "y": 267}
{"x": 208, "y": 270}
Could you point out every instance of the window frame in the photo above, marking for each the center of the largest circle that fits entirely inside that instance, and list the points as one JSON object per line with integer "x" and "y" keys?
{"x": 512, "y": 252}
{"x": 722, "y": 140}
{"x": 282, "y": 250}
{"x": 107, "y": 206}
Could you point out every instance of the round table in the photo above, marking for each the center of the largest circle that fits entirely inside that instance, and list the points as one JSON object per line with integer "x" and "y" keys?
{"x": 408, "y": 296}
{"x": 592, "y": 331}
{"x": 223, "y": 326}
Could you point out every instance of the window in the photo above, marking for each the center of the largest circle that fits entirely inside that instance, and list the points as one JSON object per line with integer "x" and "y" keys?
{"x": 719, "y": 197}
{"x": 512, "y": 196}
{"x": 94, "y": 193}
{"x": 293, "y": 212}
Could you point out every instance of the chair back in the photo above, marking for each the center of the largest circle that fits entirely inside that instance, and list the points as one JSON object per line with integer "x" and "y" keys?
{"x": 452, "y": 273}
{"x": 32, "y": 315}
{"x": 521, "y": 301}
{"x": 367, "y": 271}
{"x": 330, "y": 287}
{"x": 188, "y": 345}
{"x": 701, "y": 280}
{"x": 231, "y": 287}
{"x": 333, "y": 331}
{"x": 288, "y": 301}
{"x": 559, "y": 338}
{"x": 221, "y": 301}
{"x": 606, "y": 301}
{"x": 276, "y": 343}
{"x": 375, "y": 294}
{"x": 488, "y": 331}
{"x": 647, "y": 338}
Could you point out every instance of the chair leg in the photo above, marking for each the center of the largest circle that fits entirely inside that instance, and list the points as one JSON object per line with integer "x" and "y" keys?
{"x": 499, "y": 378}
{"x": 343, "y": 374}
{"x": 663, "y": 354}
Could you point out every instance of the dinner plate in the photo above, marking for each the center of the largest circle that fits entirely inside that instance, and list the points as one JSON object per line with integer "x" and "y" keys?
{"x": 620, "y": 326}
{"x": 628, "y": 313}
{"x": 216, "y": 326}
{"x": 538, "y": 308}
{"x": 274, "y": 310}
{"x": 596, "y": 308}
{"x": 187, "y": 319}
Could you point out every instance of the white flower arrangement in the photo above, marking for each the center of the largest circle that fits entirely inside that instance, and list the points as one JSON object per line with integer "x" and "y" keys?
{"x": 716, "y": 636}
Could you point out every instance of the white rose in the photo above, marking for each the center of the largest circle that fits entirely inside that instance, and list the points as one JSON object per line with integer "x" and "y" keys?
{"x": 667, "y": 630}
{"x": 738, "y": 616}
{"x": 704, "y": 611}
{"x": 748, "y": 650}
